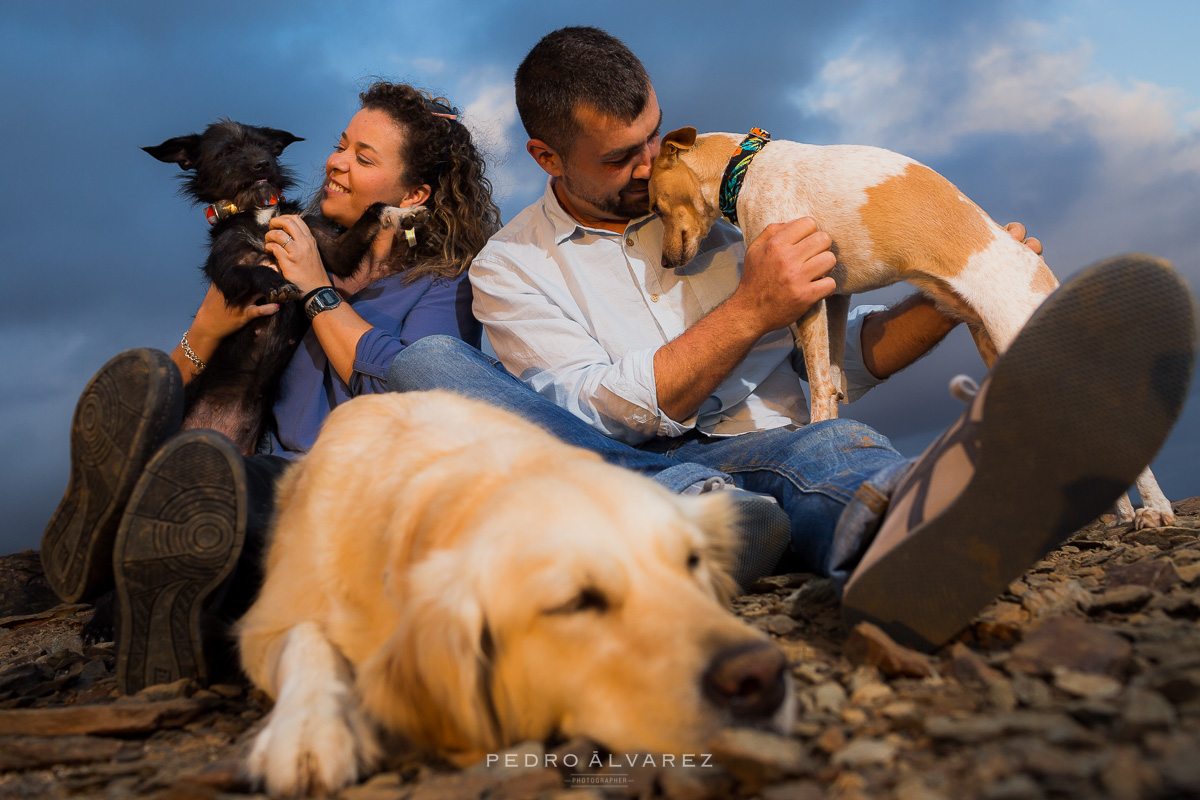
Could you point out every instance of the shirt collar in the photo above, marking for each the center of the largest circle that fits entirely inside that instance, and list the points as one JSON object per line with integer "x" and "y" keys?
{"x": 565, "y": 225}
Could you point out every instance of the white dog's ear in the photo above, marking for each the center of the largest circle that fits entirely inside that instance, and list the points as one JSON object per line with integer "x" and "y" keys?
{"x": 431, "y": 680}
{"x": 678, "y": 140}
{"x": 716, "y": 516}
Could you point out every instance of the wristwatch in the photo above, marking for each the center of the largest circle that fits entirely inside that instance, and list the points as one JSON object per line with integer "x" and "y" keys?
{"x": 322, "y": 299}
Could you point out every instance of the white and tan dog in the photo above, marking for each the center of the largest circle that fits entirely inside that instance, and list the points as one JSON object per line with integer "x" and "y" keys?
{"x": 891, "y": 219}
{"x": 450, "y": 572}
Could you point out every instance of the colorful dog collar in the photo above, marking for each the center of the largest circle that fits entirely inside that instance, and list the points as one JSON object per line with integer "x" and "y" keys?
{"x": 227, "y": 208}
{"x": 735, "y": 172}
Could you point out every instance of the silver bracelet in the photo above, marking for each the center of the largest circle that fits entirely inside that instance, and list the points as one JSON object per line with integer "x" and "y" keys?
{"x": 191, "y": 354}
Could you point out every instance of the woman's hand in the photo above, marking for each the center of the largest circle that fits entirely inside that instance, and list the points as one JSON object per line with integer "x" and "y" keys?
{"x": 338, "y": 329}
{"x": 295, "y": 250}
{"x": 214, "y": 320}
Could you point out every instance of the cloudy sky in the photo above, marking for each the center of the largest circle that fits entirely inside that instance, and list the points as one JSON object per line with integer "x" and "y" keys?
{"x": 1077, "y": 117}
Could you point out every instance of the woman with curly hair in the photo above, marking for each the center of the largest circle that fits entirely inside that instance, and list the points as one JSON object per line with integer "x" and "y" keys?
{"x": 406, "y": 149}
{"x": 173, "y": 522}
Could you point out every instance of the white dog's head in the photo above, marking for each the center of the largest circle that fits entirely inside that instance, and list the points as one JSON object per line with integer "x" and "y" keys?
{"x": 581, "y": 600}
{"x": 686, "y": 203}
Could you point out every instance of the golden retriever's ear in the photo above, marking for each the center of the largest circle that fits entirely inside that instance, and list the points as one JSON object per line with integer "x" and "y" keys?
{"x": 431, "y": 680}
{"x": 678, "y": 140}
{"x": 716, "y": 516}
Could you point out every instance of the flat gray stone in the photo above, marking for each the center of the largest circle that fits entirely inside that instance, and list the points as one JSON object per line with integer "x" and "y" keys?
{"x": 1128, "y": 597}
{"x": 865, "y": 753}
{"x": 757, "y": 757}
{"x": 109, "y": 719}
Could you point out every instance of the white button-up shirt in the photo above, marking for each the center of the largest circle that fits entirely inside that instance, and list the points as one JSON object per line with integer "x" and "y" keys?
{"x": 578, "y": 314}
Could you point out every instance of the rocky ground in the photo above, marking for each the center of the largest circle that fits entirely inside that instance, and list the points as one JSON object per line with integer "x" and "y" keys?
{"x": 1082, "y": 681}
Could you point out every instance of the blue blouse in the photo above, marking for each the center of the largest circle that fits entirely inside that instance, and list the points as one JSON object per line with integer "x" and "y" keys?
{"x": 400, "y": 314}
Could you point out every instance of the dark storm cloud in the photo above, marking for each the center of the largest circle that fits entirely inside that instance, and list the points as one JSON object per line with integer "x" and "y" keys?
{"x": 98, "y": 91}
{"x": 97, "y": 243}
{"x": 1015, "y": 177}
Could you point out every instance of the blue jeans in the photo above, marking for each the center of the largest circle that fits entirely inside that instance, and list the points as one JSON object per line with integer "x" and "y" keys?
{"x": 833, "y": 478}
{"x": 815, "y": 472}
{"x": 444, "y": 362}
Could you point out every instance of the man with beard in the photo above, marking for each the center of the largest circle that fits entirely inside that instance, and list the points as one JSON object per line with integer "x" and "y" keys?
{"x": 697, "y": 366}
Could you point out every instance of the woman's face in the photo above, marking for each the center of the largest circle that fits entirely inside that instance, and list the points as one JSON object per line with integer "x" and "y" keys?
{"x": 366, "y": 168}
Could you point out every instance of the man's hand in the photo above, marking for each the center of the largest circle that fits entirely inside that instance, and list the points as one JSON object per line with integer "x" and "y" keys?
{"x": 786, "y": 271}
{"x": 1018, "y": 232}
{"x": 895, "y": 338}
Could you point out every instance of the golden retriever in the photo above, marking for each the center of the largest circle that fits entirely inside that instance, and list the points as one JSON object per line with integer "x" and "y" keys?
{"x": 457, "y": 575}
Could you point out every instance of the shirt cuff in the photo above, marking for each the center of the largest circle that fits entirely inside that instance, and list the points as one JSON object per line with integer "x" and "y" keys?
{"x": 858, "y": 378}
{"x": 374, "y": 353}
{"x": 631, "y": 385}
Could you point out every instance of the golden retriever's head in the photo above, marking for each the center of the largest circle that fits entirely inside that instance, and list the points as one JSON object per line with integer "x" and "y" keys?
{"x": 582, "y": 601}
{"x": 677, "y": 196}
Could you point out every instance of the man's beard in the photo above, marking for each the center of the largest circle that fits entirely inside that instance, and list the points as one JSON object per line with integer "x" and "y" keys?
{"x": 614, "y": 204}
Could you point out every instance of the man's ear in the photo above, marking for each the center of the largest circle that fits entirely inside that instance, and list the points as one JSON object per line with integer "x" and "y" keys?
{"x": 546, "y": 157}
{"x": 678, "y": 140}
{"x": 182, "y": 150}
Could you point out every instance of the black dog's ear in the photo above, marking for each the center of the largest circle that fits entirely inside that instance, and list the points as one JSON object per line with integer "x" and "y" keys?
{"x": 182, "y": 150}
{"x": 282, "y": 138}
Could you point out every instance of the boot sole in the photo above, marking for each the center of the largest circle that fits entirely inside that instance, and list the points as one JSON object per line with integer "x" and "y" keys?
{"x": 178, "y": 541}
{"x": 1046, "y": 467}
{"x": 110, "y": 441}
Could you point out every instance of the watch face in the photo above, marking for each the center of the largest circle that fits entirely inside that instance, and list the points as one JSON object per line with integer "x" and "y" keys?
{"x": 323, "y": 300}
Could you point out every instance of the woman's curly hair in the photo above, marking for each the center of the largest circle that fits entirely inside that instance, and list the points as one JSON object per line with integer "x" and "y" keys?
{"x": 438, "y": 151}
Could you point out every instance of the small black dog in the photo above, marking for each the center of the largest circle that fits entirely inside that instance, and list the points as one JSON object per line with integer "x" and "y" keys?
{"x": 235, "y": 171}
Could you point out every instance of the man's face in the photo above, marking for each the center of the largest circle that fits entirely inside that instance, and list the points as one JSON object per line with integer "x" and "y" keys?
{"x": 606, "y": 174}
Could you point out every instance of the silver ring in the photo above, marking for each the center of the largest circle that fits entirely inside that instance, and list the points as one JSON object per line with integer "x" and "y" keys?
{"x": 286, "y": 243}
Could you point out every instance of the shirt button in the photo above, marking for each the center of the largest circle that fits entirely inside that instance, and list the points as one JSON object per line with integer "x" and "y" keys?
{"x": 629, "y": 241}
{"x": 654, "y": 298}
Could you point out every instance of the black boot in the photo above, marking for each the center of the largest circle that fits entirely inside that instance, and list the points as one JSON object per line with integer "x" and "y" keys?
{"x": 127, "y": 410}
{"x": 179, "y": 541}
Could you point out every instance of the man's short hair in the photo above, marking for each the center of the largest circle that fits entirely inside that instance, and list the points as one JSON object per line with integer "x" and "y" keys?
{"x": 573, "y": 66}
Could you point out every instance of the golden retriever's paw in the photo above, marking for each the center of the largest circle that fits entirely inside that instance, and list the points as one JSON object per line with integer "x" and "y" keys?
{"x": 317, "y": 747}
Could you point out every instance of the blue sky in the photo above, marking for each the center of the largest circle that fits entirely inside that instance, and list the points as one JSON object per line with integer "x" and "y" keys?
{"x": 1077, "y": 117}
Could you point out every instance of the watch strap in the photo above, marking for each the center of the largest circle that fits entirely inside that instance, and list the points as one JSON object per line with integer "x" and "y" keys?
{"x": 309, "y": 294}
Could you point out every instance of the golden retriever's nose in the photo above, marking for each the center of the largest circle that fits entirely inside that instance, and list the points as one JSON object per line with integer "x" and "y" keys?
{"x": 748, "y": 680}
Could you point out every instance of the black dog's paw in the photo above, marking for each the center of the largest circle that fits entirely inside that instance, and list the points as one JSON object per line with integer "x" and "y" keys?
{"x": 394, "y": 216}
{"x": 284, "y": 293}
{"x": 374, "y": 214}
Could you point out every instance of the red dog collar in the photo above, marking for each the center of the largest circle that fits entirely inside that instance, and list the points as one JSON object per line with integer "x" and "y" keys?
{"x": 227, "y": 208}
